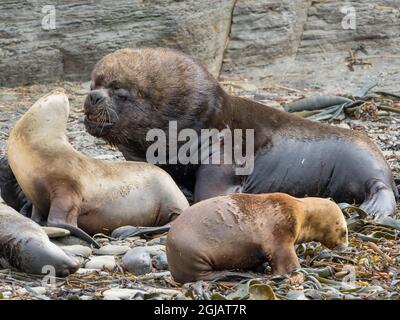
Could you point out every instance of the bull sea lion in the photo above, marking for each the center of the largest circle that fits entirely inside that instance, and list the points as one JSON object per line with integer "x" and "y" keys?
{"x": 135, "y": 90}
{"x": 26, "y": 247}
{"x": 69, "y": 189}
{"x": 241, "y": 231}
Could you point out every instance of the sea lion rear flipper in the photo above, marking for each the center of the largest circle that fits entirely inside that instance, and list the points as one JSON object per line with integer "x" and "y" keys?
{"x": 380, "y": 201}
{"x": 129, "y": 231}
{"x": 77, "y": 232}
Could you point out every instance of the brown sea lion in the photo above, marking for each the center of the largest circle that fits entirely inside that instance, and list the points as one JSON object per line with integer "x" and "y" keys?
{"x": 135, "y": 90}
{"x": 26, "y": 247}
{"x": 69, "y": 189}
{"x": 10, "y": 190}
{"x": 242, "y": 231}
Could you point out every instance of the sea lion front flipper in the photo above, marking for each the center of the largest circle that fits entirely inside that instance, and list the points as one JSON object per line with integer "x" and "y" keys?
{"x": 64, "y": 214}
{"x": 130, "y": 231}
{"x": 284, "y": 260}
{"x": 215, "y": 180}
{"x": 380, "y": 201}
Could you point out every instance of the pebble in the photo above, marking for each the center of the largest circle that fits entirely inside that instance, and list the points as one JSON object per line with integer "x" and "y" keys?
{"x": 113, "y": 250}
{"x": 314, "y": 294}
{"x": 163, "y": 292}
{"x": 105, "y": 157}
{"x": 101, "y": 263}
{"x": 84, "y": 271}
{"x": 121, "y": 294}
{"x": 77, "y": 250}
{"x": 157, "y": 241}
{"x": 22, "y": 291}
{"x": 131, "y": 239}
{"x": 137, "y": 261}
{"x": 296, "y": 295}
{"x": 9, "y": 97}
{"x": 139, "y": 242}
{"x": 39, "y": 290}
{"x": 154, "y": 249}
{"x": 342, "y": 125}
{"x": 160, "y": 261}
{"x": 53, "y": 232}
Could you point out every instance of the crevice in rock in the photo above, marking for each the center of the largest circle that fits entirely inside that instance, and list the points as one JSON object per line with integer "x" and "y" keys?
{"x": 300, "y": 37}
{"x": 227, "y": 37}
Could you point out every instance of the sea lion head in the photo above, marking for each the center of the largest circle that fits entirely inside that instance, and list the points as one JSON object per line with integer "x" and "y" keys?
{"x": 50, "y": 111}
{"x": 135, "y": 90}
{"x": 324, "y": 222}
{"x": 54, "y": 105}
{"x": 335, "y": 234}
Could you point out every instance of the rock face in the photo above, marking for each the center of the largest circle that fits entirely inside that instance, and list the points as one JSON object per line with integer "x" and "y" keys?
{"x": 305, "y": 43}
{"x": 300, "y": 43}
{"x": 87, "y": 30}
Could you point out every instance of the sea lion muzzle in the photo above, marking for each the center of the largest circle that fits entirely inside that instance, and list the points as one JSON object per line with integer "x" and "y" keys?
{"x": 95, "y": 97}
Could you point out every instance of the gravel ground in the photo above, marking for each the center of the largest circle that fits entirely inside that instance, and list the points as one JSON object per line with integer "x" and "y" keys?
{"x": 368, "y": 269}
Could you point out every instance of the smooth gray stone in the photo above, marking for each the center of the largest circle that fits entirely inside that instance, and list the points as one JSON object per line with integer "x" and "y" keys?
{"x": 137, "y": 261}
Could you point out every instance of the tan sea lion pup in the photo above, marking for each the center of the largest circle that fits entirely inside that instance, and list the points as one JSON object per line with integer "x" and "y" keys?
{"x": 26, "y": 247}
{"x": 69, "y": 189}
{"x": 241, "y": 231}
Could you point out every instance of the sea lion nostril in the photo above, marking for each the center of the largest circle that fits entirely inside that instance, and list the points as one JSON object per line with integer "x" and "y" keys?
{"x": 95, "y": 97}
{"x": 71, "y": 268}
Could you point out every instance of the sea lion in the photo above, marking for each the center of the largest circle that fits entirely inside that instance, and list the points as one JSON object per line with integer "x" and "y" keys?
{"x": 69, "y": 189}
{"x": 26, "y": 247}
{"x": 242, "y": 231}
{"x": 135, "y": 90}
{"x": 10, "y": 190}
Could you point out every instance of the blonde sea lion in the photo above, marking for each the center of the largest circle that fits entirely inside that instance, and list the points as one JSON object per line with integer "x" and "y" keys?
{"x": 242, "y": 231}
{"x": 69, "y": 189}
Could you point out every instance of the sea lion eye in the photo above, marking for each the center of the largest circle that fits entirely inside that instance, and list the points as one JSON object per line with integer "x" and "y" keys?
{"x": 115, "y": 86}
{"x": 140, "y": 94}
{"x": 122, "y": 94}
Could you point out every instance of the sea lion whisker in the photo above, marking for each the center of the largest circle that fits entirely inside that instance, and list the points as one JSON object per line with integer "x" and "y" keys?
{"x": 114, "y": 113}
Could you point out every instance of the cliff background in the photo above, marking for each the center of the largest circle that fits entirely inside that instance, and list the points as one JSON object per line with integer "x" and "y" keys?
{"x": 334, "y": 46}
